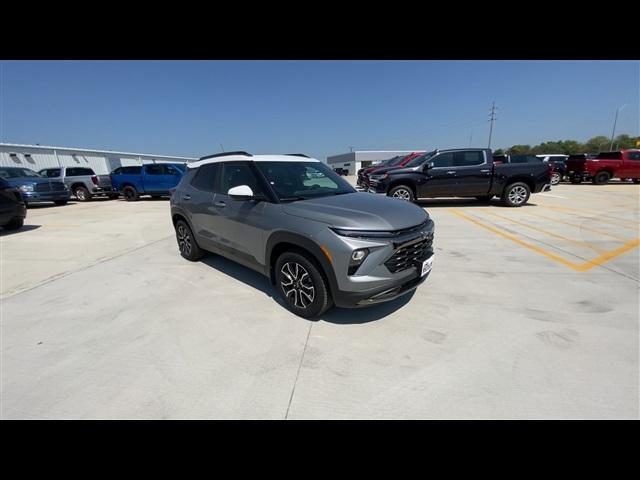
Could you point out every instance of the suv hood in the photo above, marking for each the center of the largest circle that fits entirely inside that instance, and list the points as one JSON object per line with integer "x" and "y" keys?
{"x": 362, "y": 211}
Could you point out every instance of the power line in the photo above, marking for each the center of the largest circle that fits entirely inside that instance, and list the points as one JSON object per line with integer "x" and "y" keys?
{"x": 492, "y": 119}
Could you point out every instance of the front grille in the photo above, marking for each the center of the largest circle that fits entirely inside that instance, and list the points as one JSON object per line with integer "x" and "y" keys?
{"x": 407, "y": 255}
{"x": 57, "y": 186}
{"x": 42, "y": 187}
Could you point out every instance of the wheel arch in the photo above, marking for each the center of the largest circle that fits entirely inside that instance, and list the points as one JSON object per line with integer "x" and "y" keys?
{"x": 280, "y": 242}
{"x": 407, "y": 182}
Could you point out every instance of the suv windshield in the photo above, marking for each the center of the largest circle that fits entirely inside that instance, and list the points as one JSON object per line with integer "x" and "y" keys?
{"x": 300, "y": 180}
{"x": 17, "y": 173}
{"x": 416, "y": 162}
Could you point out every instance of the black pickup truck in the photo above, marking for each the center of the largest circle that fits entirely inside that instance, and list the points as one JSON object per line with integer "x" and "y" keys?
{"x": 462, "y": 172}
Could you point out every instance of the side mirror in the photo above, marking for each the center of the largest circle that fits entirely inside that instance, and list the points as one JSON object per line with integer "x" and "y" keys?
{"x": 241, "y": 193}
{"x": 428, "y": 165}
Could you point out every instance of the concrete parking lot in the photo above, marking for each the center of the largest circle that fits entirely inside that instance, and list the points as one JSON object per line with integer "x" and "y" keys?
{"x": 528, "y": 313}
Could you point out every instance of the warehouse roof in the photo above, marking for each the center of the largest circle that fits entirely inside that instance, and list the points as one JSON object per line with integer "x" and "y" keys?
{"x": 45, "y": 147}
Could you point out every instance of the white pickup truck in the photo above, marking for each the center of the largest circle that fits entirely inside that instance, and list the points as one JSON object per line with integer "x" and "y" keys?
{"x": 82, "y": 182}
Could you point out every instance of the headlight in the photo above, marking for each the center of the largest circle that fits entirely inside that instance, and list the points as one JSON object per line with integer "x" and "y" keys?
{"x": 381, "y": 176}
{"x": 357, "y": 257}
{"x": 26, "y": 188}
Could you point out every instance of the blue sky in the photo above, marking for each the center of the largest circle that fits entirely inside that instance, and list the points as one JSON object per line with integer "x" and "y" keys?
{"x": 315, "y": 107}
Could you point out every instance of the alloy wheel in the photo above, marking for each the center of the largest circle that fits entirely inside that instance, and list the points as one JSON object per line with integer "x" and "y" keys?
{"x": 402, "y": 193}
{"x": 517, "y": 195}
{"x": 297, "y": 284}
{"x": 184, "y": 240}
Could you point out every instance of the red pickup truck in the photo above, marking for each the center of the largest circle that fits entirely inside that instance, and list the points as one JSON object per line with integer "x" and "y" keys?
{"x": 605, "y": 166}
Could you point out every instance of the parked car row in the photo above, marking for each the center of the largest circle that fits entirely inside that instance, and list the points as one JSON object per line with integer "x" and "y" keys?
{"x": 58, "y": 184}
{"x": 463, "y": 172}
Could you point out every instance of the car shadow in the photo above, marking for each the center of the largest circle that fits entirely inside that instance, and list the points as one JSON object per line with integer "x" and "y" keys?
{"x": 464, "y": 202}
{"x": 25, "y": 228}
{"x": 339, "y": 316}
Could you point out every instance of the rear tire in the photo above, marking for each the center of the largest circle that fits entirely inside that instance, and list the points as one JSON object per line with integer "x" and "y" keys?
{"x": 601, "y": 178}
{"x": 402, "y": 192}
{"x": 555, "y": 178}
{"x": 302, "y": 285}
{"x": 187, "y": 245}
{"x": 130, "y": 194}
{"x": 516, "y": 194}
{"x": 14, "y": 224}
{"x": 82, "y": 194}
{"x": 60, "y": 202}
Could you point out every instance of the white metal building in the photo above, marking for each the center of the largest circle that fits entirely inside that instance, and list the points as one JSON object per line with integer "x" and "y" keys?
{"x": 354, "y": 161}
{"x": 37, "y": 157}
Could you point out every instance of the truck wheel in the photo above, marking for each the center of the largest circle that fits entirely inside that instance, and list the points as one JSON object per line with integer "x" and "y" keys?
{"x": 130, "y": 194}
{"x": 82, "y": 194}
{"x": 302, "y": 286}
{"x": 187, "y": 245}
{"x": 601, "y": 178}
{"x": 14, "y": 224}
{"x": 402, "y": 192}
{"x": 485, "y": 198}
{"x": 516, "y": 194}
{"x": 555, "y": 178}
{"x": 60, "y": 202}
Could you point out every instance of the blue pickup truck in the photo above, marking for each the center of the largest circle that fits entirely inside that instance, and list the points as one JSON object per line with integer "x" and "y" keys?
{"x": 155, "y": 179}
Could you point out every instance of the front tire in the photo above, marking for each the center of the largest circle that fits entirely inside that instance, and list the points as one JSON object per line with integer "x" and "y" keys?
{"x": 187, "y": 245}
{"x": 601, "y": 178}
{"x": 301, "y": 284}
{"x": 14, "y": 224}
{"x": 402, "y": 192}
{"x": 130, "y": 194}
{"x": 82, "y": 194}
{"x": 516, "y": 194}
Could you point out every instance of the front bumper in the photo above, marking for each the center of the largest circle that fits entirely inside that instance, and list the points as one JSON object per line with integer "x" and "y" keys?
{"x": 381, "y": 294}
{"x": 33, "y": 197}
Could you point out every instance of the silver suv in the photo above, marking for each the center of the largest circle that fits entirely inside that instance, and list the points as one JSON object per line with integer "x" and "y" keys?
{"x": 293, "y": 219}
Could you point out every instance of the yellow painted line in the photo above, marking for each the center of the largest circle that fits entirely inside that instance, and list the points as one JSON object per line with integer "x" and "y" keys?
{"x": 595, "y": 230}
{"x": 579, "y": 267}
{"x": 604, "y": 217}
{"x": 551, "y": 234}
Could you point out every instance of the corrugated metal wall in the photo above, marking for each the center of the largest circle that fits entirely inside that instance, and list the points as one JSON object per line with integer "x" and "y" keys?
{"x": 39, "y": 158}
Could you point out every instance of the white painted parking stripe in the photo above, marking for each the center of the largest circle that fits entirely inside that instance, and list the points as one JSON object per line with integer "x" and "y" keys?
{"x": 549, "y": 195}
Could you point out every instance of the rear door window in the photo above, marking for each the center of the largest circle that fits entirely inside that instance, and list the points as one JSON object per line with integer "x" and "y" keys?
{"x": 468, "y": 159}
{"x": 154, "y": 170}
{"x": 206, "y": 178}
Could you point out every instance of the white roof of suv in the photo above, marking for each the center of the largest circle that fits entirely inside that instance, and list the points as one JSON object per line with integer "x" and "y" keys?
{"x": 250, "y": 158}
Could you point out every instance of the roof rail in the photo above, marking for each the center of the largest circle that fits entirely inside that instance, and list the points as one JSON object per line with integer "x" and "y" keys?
{"x": 224, "y": 154}
{"x": 297, "y": 155}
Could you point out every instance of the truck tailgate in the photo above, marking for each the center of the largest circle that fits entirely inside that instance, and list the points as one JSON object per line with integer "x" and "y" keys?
{"x": 104, "y": 180}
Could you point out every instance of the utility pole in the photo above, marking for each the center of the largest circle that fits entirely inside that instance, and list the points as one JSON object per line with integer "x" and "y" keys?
{"x": 619, "y": 109}
{"x": 221, "y": 147}
{"x": 492, "y": 119}
{"x": 351, "y": 149}
{"x": 470, "y": 137}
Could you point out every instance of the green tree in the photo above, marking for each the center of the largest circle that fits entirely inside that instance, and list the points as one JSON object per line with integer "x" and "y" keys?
{"x": 596, "y": 144}
{"x": 519, "y": 149}
{"x": 498, "y": 152}
{"x": 624, "y": 141}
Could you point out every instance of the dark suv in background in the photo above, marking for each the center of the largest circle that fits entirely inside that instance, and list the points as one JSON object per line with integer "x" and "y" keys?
{"x": 294, "y": 220}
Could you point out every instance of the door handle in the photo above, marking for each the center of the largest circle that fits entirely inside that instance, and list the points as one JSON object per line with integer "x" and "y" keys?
{"x": 220, "y": 204}
{"x": 485, "y": 171}
{"x": 451, "y": 172}
{"x": 186, "y": 197}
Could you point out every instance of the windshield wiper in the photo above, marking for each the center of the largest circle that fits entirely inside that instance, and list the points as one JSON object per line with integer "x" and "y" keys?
{"x": 292, "y": 199}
